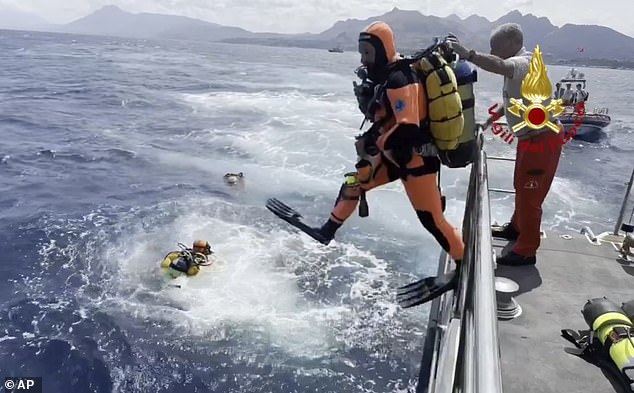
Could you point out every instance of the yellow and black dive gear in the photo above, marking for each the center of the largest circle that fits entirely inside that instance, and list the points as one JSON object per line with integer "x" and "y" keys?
{"x": 609, "y": 343}
{"x": 449, "y": 87}
{"x": 369, "y": 93}
{"x": 187, "y": 261}
{"x": 465, "y": 152}
{"x": 353, "y": 181}
{"x": 450, "y": 100}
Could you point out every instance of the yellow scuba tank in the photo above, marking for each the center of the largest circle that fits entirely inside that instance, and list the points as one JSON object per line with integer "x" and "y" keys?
{"x": 465, "y": 153}
{"x": 451, "y": 101}
{"x": 615, "y": 331}
{"x": 444, "y": 109}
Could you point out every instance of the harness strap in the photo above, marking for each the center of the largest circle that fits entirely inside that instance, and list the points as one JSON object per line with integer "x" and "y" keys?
{"x": 617, "y": 334}
{"x": 181, "y": 264}
{"x": 577, "y": 338}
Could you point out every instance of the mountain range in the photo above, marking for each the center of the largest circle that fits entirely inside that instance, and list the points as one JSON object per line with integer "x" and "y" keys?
{"x": 19, "y": 20}
{"x": 413, "y": 30}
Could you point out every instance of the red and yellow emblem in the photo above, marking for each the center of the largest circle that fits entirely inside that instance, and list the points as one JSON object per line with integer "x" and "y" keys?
{"x": 536, "y": 89}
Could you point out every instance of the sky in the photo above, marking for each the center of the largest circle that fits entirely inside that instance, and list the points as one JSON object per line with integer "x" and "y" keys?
{"x": 299, "y": 16}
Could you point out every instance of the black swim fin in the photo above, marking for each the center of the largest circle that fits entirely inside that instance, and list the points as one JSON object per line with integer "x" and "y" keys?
{"x": 291, "y": 216}
{"x": 427, "y": 289}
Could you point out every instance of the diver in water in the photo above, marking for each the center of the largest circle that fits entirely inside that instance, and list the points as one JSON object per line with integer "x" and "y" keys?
{"x": 393, "y": 152}
{"x": 188, "y": 260}
{"x": 233, "y": 178}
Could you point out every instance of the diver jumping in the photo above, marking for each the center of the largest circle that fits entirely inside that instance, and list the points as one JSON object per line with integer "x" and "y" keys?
{"x": 394, "y": 148}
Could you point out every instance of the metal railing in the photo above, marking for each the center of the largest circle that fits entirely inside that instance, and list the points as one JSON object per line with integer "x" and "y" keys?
{"x": 500, "y": 190}
{"x": 462, "y": 330}
{"x": 619, "y": 220}
{"x": 462, "y": 352}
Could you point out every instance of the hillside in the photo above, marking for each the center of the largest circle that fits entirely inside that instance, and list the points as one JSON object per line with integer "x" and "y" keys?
{"x": 413, "y": 30}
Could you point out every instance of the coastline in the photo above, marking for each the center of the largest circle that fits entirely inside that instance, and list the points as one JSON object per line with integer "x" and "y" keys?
{"x": 320, "y": 44}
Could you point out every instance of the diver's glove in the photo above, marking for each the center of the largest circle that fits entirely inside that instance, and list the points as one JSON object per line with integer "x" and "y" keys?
{"x": 454, "y": 45}
{"x": 427, "y": 289}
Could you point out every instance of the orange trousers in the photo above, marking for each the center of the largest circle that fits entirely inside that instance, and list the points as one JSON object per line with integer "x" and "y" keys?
{"x": 535, "y": 166}
{"x": 420, "y": 180}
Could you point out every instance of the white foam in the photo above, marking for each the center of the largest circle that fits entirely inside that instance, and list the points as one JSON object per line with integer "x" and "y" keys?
{"x": 264, "y": 279}
{"x": 297, "y": 129}
{"x": 305, "y": 138}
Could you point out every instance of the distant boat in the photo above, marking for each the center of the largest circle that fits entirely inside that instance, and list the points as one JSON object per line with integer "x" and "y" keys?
{"x": 336, "y": 50}
{"x": 592, "y": 124}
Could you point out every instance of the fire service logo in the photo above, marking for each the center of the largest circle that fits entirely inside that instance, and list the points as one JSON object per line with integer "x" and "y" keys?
{"x": 536, "y": 88}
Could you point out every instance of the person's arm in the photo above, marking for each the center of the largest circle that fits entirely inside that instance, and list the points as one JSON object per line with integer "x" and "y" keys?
{"x": 485, "y": 61}
{"x": 493, "y": 64}
{"x": 169, "y": 258}
{"x": 193, "y": 270}
{"x": 398, "y": 141}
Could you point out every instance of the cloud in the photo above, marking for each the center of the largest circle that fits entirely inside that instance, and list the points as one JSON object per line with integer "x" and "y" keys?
{"x": 513, "y": 4}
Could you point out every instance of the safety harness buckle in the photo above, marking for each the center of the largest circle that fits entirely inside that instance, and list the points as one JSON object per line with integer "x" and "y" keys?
{"x": 426, "y": 150}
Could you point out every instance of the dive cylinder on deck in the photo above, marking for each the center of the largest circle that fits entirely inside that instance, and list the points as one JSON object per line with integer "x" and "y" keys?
{"x": 466, "y": 75}
{"x": 615, "y": 331}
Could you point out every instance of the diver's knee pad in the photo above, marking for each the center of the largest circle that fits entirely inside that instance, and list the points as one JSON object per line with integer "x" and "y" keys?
{"x": 427, "y": 219}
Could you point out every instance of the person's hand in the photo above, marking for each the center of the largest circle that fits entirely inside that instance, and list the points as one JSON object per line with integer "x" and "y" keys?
{"x": 456, "y": 46}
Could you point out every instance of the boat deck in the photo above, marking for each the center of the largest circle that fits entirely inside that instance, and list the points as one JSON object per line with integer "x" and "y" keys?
{"x": 552, "y": 294}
